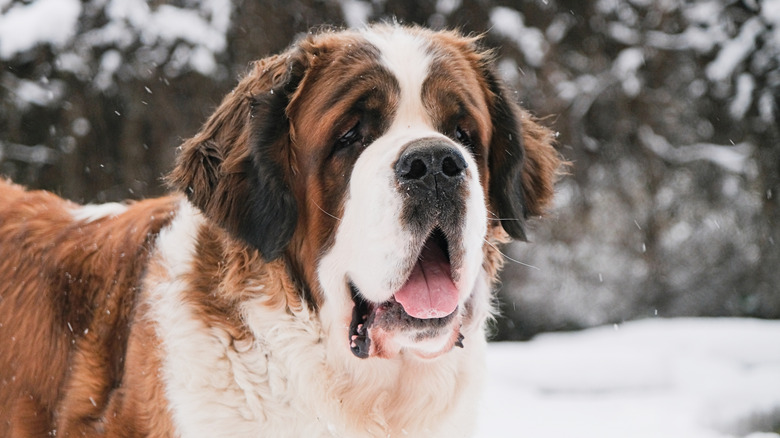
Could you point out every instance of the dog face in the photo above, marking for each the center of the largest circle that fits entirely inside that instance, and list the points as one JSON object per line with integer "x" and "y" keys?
{"x": 378, "y": 164}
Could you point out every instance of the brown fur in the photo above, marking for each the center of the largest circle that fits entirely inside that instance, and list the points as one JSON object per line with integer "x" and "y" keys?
{"x": 65, "y": 313}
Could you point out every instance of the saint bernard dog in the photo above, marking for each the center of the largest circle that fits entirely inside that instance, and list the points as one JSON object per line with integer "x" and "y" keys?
{"x": 323, "y": 268}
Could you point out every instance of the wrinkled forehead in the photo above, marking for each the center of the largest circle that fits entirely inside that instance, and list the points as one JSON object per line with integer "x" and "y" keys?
{"x": 408, "y": 58}
{"x": 433, "y": 68}
{"x": 414, "y": 74}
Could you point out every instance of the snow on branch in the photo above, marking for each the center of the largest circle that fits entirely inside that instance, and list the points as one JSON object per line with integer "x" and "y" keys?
{"x": 25, "y": 26}
{"x": 97, "y": 38}
{"x": 510, "y": 24}
{"x": 38, "y": 154}
{"x": 734, "y": 158}
{"x": 735, "y": 51}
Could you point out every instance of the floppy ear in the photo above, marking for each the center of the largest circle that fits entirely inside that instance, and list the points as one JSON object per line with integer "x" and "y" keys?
{"x": 523, "y": 163}
{"x": 232, "y": 170}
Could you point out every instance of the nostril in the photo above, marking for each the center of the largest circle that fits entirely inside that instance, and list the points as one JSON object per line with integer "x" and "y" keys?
{"x": 417, "y": 170}
{"x": 450, "y": 167}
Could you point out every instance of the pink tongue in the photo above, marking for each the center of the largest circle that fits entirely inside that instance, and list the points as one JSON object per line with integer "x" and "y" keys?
{"x": 429, "y": 292}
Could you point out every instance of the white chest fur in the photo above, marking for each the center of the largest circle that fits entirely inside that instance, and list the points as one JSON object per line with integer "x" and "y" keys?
{"x": 289, "y": 378}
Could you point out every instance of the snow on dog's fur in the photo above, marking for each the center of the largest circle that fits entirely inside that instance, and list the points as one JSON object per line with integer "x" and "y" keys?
{"x": 324, "y": 270}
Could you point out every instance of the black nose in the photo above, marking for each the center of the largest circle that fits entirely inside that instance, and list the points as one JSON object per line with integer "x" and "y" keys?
{"x": 430, "y": 165}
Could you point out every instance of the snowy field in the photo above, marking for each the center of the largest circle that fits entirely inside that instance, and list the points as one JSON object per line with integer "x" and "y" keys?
{"x": 673, "y": 378}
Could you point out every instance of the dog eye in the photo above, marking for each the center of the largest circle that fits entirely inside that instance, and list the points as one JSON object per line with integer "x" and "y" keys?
{"x": 349, "y": 138}
{"x": 463, "y": 137}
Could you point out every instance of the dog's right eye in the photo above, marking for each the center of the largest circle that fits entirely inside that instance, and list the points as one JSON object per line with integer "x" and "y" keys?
{"x": 349, "y": 139}
{"x": 463, "y": 137}
{"x": 350, "y": 136}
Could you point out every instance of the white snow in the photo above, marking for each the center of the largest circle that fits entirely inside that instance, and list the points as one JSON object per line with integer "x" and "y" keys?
{"x": 625, "y": 68}
{"x": 767, "y": 106}
{"x": 26, "y": 92}
{"x": 201, "y": 28}
{"x": 356, "y": 12}
{"x": 170, "y": 23}
{"x": 511, "y": 24}
{"x": 735, "y": 51}
{"x": 109, "y": 63}
{"x": 703, "y": 12}
{"x": 659, "y": 378}
{"x": 743, "y": 97}
{"x": 24, "y": 26}
{"x": 770, "y": 10}
{"x": 446, "y": 7}
{"x": 735, "y": 158}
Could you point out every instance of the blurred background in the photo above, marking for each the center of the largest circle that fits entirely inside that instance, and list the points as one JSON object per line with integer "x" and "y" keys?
{"x": 667, "y": 109}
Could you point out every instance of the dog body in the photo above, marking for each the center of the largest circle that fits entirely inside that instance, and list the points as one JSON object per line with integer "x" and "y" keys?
{"x": 332, "y": 245}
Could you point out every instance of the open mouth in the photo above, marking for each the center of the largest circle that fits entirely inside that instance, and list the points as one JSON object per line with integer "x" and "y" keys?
{"x": 425, "y": 305}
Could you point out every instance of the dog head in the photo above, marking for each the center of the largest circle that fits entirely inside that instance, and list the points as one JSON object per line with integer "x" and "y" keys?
{"x": 378, "y": 163}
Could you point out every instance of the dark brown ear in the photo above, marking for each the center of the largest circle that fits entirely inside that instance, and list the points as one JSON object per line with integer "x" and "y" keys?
{"x": 523, "y": 163}
{"x": 233, "y": 168}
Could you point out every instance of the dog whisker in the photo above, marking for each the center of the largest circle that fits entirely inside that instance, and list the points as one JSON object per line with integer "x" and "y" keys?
{"x": 510, "y": 258}
{"x": 494, "y": 217}
{"x": 323, "y": 210}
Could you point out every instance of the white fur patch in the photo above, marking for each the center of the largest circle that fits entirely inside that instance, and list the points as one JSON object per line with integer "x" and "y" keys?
{"x": 406, "y": 56}
{"x": 94, "y": 212}
{"x": 203, "y": 383}
{"x": 218, "y": 386}
{"x": 196, "y": 369}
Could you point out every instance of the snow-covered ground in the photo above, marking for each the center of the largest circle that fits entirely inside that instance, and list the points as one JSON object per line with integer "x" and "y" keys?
{"x": 659, "y": 378}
